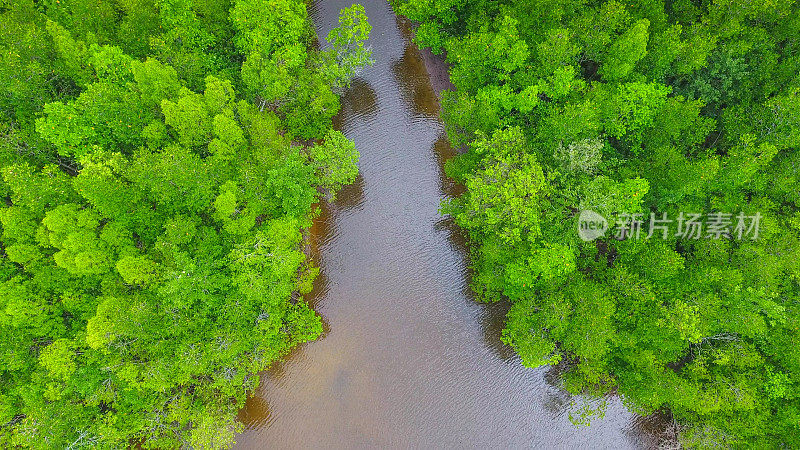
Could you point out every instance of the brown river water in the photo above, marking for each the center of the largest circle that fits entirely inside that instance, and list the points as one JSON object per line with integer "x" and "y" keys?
{"x": 408, "y": 359}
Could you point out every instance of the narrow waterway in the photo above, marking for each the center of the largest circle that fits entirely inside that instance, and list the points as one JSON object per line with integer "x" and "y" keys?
{"x": 408, "y": 358}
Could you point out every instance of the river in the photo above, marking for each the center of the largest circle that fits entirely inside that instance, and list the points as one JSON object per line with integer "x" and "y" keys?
{"x": 408, "y": 358}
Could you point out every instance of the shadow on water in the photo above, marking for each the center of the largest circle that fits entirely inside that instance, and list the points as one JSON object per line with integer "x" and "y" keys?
{"x": 656, "y": 430}
{"x": 444, "y": 152}
{"x": 255, "y": 413}
{"x": 438, "y": 75}
{"x": 316, "y": 236}
{"x": 415, "y": 89}
{"x": 350, "y": 196}
{"x": 359, "y": 101}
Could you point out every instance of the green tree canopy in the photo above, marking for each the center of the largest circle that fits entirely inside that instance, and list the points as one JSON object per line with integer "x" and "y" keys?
{"x": 626, "y": 109}
{"x": 151, "y": 231}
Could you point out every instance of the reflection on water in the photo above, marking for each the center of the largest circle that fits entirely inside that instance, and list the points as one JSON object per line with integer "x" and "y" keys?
{"x": 359, "y": 103}
{"x": 416, "y": 91}
{"x": 351, "y": 196}
{"x": 255, "y": 413}
{"x": 408, "y": 357}
{"x": 443, "y": 152}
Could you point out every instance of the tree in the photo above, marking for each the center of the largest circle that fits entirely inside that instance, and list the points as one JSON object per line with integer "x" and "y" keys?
{"x": 336, "y": 161}
{"x": 625, "y": 52}
{"x": 348, "y": 55}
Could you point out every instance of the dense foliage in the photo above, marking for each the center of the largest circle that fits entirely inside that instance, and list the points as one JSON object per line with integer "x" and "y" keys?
{"x": 658, "y": 107}
{"x": 159, "y": 161}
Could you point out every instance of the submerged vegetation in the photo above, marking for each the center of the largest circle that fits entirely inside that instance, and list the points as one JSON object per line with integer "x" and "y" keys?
{"x": 159, "y": 161}
{"x": 642, "y": 113}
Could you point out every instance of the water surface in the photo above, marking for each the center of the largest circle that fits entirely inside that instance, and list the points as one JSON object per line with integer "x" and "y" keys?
{"x": 408, "y": 359}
